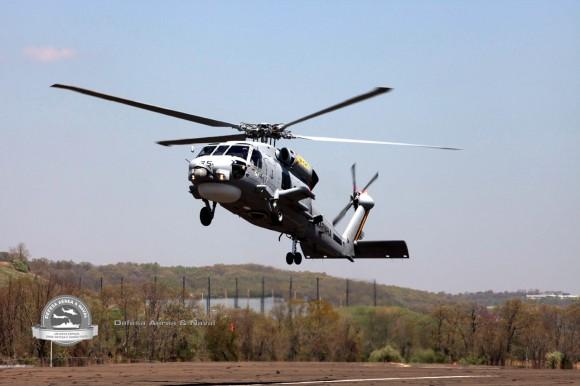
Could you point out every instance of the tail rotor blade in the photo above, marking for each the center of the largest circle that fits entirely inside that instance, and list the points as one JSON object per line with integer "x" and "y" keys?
{"x": 353, "y": 173}
{"x": 371, "y": 181}
{"x": 341, "y": 214}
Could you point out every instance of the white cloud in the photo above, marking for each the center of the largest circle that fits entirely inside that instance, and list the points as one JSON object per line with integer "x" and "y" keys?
{"x": 49, "y": 54}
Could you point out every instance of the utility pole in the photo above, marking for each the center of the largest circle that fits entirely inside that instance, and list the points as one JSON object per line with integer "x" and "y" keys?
{"x": 101, "y": 286}
{"x": 236, "y": 298}
{"x": 262, "y": 297}
{"x": 208, "y": 298}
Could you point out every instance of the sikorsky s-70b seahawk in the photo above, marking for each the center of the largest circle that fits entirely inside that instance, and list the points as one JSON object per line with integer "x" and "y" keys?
{"x": 272, "y": 187}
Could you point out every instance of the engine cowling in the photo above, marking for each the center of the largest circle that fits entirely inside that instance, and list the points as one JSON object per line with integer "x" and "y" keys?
{"x": 298, "y": 166}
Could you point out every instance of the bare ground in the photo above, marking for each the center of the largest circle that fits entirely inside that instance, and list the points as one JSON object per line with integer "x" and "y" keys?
{"x": 303, "y": 373}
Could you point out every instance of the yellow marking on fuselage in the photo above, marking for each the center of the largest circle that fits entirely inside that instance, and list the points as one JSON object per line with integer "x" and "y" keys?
{"x": 302, "y": 162}
{"x": 362, "y": 225}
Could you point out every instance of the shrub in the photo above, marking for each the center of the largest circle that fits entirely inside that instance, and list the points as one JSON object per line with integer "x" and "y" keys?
{"x": 472, "y": 360}
{"x": 385, "y": 354}
{"x": 554, "y": 360}
{"x": 20, "y": 265}
{"x": 427, "y": 356}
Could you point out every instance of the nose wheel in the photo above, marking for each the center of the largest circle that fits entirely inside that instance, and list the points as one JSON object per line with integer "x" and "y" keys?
{"x": 294, "y": 256}
{"x": 206, "y": 213}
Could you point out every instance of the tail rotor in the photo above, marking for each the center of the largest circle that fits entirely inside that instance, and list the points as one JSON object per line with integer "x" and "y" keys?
{"x": 353, "y": 199}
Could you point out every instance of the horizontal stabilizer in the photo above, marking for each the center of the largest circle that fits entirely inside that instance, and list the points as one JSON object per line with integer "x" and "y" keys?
{"x": 381, "y": 250}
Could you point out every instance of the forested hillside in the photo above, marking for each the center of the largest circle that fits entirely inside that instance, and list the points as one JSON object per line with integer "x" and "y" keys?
{"x": 151, "y": 312}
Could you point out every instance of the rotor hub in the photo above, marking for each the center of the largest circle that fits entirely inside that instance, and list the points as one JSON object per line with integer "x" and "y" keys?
{"x": 265, "y": 130}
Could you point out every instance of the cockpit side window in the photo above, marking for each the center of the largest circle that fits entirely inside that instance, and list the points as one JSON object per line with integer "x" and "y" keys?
{"x": 206, "y": 150}
{"x": 239, "y": 151}
{"x": 257, "y": 158}
{"x": 220, "y": 150}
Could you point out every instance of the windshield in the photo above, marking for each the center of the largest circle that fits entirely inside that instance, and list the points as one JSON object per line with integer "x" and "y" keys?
{"x": 206, "y": 151}
{"x": 220, "y": 150}
{"x": 239, "y": 151}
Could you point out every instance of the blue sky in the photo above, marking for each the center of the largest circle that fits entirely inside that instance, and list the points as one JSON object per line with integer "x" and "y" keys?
{"x": 83, "y": 179}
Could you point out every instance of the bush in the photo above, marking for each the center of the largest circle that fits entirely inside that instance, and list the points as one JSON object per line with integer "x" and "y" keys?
{"x": 472, "y": 360}
{"x": 385, "y": 354}
{"x": 20, "y": 265}
{"x": 554, "y": 360}
{"x": 427, "y": 356}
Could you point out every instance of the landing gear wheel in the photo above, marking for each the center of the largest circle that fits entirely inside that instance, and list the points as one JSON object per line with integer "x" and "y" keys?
{"x": 205, "y": 215}
{"x": 297, "y": 258}
{"x": 289, "y": 258}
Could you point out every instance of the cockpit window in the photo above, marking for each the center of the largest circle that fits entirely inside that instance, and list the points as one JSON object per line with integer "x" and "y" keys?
{"x": 239, "y": 151}
{"x": 257, "y": 158}
{"x": 206, "y": 151}
{"x": 220, "y": 150}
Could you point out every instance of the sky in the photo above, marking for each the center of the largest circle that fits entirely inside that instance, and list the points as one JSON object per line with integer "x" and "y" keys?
{"x": 82, "y": 179}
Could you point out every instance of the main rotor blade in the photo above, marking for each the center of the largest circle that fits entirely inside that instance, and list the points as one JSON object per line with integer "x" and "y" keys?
{"x": 356, "y": 99}
{"x": 347, "y": 140}
{"x": 353, "y": 173}
{"x": 341, "y": 214}
{"x": 191, "y": 141}
{"x": 371, "y": 181}
{"x": 156, "y": 109}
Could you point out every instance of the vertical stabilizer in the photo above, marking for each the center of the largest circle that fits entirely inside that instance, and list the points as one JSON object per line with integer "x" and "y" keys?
{"x": 356, "y": 224}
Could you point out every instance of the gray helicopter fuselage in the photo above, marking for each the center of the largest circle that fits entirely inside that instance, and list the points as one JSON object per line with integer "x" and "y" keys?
{"x": 250, "y": 194}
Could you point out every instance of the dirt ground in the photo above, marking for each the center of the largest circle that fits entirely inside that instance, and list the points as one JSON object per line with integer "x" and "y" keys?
{"x": 284, "y": 373}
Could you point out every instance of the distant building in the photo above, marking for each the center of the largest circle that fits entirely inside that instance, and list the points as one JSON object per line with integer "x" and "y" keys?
{"x": 552, "y": 295}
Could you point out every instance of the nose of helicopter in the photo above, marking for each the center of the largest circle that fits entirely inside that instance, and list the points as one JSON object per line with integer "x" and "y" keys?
{"x": 211, "y": 178}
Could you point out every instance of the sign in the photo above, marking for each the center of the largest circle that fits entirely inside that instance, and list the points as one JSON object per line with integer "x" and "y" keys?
{"x": 65, "y": 320}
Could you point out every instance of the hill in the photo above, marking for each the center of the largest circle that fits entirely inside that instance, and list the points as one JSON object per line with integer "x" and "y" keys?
{"x": 249, "y": 276}
{"x": 223, "y": 277}
{"x": 9, "y": 272}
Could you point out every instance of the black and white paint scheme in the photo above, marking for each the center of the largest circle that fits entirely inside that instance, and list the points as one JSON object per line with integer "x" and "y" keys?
{"x": 273, "y": 187}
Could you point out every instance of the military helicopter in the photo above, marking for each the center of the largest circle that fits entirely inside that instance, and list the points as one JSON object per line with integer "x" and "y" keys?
{"x": 272, "y": 187}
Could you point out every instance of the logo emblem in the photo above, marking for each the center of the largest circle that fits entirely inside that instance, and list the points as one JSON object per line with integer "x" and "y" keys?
{"x": 65, "y": 320}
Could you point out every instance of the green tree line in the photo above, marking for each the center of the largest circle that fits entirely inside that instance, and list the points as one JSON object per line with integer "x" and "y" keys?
{"x": 513, "y": 333}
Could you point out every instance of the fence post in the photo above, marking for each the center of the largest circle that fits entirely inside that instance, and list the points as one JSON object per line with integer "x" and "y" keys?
{"x": 236, "y": 298}
{"x": 262, "y": 297}
{"x": 347, "y": 300}
{"x": 317, "y": 289}
{"x": 208, "y": 298}
{"x": 290, "y": 297}
{"x": 183, "y": 291}
{"x": 375, "y": 293}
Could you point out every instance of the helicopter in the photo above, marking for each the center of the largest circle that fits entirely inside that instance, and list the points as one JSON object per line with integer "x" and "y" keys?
{"x": 272, "y": 187}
